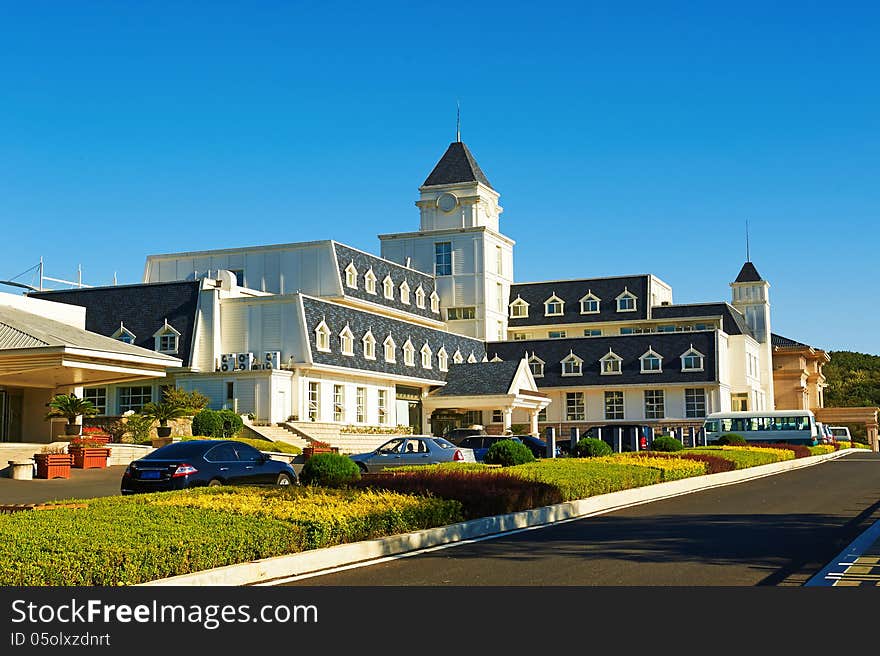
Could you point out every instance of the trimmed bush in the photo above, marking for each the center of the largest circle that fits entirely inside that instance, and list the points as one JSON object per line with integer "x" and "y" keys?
{"x": 208, "y": 423}
{"x": 329, "y": 470}
{"x": 232, "y": 423}
{"x": 744, "y": 457}
{"x": 822, "y": 449}
{"x": 800, "y": 450}
{"x": 666, "y": 443}
{"x": 508, "y": 453}
{"x": 590, "y": 447}
{"x": 732, "y": 439}
{"x": 671, "y": 468}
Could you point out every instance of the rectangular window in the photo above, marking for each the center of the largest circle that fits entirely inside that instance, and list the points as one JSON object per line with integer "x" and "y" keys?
{"x": 383, "y": 406}
{"x": 556, "y": 334}
{"x": 592, "y": 332}
{"x": 499, "y": 261}
{"x": 499, "y": 297}
{"x": 239, "y": 276}
{"x": 497, "y": 416}
{"x": 574, "y": 406}
{"x": 362, "y": 405}
{"x": 443, "y": 258}
{"x": 98, "y": 397}
{"x": 134, "y": 398}
{"x": 694, "y": 403}
{"x": 655, "y": 405}
{"x": 230, "y": 392}
{"x": 627, "y": 331}
{"x": 499, "y": 326}
{"x": 459, "y": 313}
{"x": 614, "y": 405}
{"x": 338, "y": 403}
{"x": 314, "y": 401}
{"x": 665, "y": 329}
{"x": 168, "y": 343}
{"x": 542, "y": 416}
{"x": 519, "y": 337}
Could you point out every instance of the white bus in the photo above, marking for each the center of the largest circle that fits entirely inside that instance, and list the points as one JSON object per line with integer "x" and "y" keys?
{"x": 791, "y": 426}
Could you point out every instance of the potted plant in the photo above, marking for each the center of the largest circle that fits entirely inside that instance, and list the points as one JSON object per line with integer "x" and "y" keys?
{"x": 53, "y": 462}
{"x": 88, "y": 453}
{"x": 164, "y": 412}
{"x": 70, "y": 407}
{"x": 318, "y": 447}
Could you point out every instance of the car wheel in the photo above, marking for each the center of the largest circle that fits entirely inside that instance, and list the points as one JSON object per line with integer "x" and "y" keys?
{"x": 215, "y": 482}
{"x": 362, "y": 467}
{"x": 283, "y": 479}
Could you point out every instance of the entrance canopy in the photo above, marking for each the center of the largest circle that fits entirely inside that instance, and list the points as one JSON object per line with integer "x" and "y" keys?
{"x": 490, "y": 386}
{"x": 38, "y": 352}
{"x": 866, "y": 415}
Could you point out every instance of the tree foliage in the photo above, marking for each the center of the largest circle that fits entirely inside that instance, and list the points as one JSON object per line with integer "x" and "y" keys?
{"x": 853, "y": 379}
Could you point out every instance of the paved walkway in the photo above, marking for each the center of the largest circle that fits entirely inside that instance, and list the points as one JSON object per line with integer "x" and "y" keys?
{"x": 82, "y": 484}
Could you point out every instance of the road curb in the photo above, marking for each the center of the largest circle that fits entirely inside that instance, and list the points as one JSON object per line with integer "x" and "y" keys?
{"x": 310, "y": 562}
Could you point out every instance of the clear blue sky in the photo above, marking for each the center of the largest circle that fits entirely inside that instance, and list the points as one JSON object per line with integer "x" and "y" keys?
{"x": 623, "y": 137}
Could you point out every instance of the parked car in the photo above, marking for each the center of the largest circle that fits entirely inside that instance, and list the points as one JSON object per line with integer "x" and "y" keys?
{"x": 480, "y": 444}
{"x": 538, "y": 447}
{"x": 197, "y": 463}
{"x": 455, "y": 435}
{"x": 841, "y": 433}
{"x": 412, "y": 450}
{"x": 633, "y": 437}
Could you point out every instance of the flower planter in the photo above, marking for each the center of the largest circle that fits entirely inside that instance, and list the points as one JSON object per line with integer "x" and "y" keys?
{"x": 310, "y": 451}
{"x": 53, "y": 465}
{"x": 72, "y": 429}
{"x": 89, "y": 457}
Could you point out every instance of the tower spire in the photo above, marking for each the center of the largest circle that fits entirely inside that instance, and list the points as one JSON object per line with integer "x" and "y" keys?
{"x": 748, "y": 253}
{"x": 457, "y": 121}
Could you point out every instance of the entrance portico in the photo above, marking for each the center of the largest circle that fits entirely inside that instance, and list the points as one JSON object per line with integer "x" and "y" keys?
{"x": 490, "y": 386}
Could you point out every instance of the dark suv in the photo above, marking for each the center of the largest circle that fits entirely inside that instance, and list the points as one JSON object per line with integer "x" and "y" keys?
{"x": 480, "y": 443}
{"x": 455, "y": 435}
{"x": 624, "y": 437}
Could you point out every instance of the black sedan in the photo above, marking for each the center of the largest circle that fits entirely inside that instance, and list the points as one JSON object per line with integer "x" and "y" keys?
{"x": 197, "y": 463}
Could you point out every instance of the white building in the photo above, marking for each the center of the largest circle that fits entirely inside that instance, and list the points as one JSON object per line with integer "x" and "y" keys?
{"x": 325, "y": 334}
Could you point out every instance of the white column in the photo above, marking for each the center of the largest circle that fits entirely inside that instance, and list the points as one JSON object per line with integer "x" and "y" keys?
{"x": 508, "y": 418}
{"x": 533, "y": 422}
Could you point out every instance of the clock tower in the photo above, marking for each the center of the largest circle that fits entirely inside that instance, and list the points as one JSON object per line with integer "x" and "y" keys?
{"x": 460, "y": 243}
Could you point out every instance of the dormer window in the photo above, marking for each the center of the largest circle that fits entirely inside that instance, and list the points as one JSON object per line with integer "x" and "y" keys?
{"x": 457, "y": 357}
{"x": 590, "y": 303}
{"x": 390, "y": 349}
{"x": 652, "y": 362}
{"x": 435, "y": 302}
{"x": 346, "y": 341}
{"x": 536, "y": 365}
{"x": 442, "y": 359}
{"x": 519, "y": 309}
{"x": 496, "y": 358}
{"x": 420, "y": 297}
{"x": 692, "y": 360}
{"x": 472, "y": 358}
{"x": 124, "y": 335}
{"x": 572, "y": 365}
{"x": 369, "y": 346}
{"x": 426, "y": 356}
{"x": 409, "y": 354}
{"x": 610, "y": 364}
{"x": 626, "y": 302}
{"x": 370, "y": 281}
{"x": 554, "y": 306}
{"x": 166, "y": 338}
{"x": 322, "y": 337}
{"x": 351, "y": 276}
{"x": 404, "y": 292}
{"x": 388, "y": 288}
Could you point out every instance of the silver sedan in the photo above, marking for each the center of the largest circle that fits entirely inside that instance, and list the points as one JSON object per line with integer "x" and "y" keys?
{"x": 412, "y": 450}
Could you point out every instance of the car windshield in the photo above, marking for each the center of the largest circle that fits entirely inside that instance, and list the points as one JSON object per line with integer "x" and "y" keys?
{"x": 176, "y": 451}
{"x": 443, "y": 444}
{"x": 394, "y": 446}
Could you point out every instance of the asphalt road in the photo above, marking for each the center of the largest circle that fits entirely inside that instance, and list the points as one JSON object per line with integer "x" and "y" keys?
{"x": 82, "y": 484}
{"x": 778, "y": 530}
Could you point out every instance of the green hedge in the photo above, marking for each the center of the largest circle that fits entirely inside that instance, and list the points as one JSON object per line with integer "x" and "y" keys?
{"x": 129, "y": 540}
{"x": 329, "y": 469}
{"x": 508, "y": 453}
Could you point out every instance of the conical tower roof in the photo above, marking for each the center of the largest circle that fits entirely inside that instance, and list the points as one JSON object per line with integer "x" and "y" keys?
{"x": 457, "y": 165}
{"x": 749, "y": 273}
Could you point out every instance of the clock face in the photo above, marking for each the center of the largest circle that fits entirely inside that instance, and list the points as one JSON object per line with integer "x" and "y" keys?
{"x": 447, "y": 202}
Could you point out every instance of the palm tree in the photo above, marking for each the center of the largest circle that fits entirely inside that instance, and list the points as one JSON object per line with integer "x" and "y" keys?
{"x": 70, "y": 406}
{"x": 163, "y": 412}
